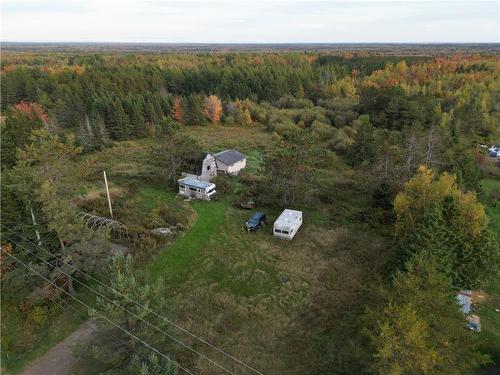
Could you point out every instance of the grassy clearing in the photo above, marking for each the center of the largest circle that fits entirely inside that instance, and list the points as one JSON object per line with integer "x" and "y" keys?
{"x": 175, "y": 258}
{"x": 244, "y": 291}
{"x": 217, "y": 137}
{"x": 255, "y": 162}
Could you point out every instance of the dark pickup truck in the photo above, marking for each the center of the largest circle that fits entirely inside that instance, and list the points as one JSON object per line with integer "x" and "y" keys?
{"x": 255, "y": 222}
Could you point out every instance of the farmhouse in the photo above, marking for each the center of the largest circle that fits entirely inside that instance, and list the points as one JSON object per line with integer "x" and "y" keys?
{"x": 230, "y": 162}
{"x": 287, "y": 224}
{"x": 205, "y": 168}
{"x": 194, "y": 188}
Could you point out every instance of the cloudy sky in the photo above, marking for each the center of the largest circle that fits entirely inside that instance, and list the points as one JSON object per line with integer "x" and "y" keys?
{"x": 270, "y": 21}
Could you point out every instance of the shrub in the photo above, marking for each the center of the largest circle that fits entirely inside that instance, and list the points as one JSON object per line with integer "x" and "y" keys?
{"x": 38, "y": 315}
{"x": 223, "y": 183}
{"x": 169, "y": 214}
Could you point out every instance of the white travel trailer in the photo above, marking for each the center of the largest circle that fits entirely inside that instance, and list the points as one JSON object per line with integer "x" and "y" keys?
{"x": 194, "y": 188}
{"x": 287, "y": 224}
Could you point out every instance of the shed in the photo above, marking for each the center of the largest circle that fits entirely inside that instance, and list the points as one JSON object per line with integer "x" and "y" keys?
{"x": 194, "y": 188}
{"x": 287, "y": 224}
{"x": 230, "y": 161}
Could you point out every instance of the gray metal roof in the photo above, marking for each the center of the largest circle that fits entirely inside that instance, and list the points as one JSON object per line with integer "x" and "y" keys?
{"x": 193, "y": 182}
{"x": 229, "y": 157}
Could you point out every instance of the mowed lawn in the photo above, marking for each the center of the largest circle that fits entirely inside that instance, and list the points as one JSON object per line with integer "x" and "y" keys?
{"x": 176, "y": 257}
{"x": 216, "y": 250}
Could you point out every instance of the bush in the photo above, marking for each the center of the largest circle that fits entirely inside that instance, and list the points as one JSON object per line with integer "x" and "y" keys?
{"x": 284, "y": 127}
{"x": 494, "y": 196}
{"x": 169, "y": 214}
{"x": 223, "y": 183}
{"x": 38, "y": 315}
{"x": 322, "y": 130}
{"x": 144, "y": 244}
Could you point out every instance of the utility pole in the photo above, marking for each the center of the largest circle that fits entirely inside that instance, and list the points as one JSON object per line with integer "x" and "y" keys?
{"x": 107, "y": 192}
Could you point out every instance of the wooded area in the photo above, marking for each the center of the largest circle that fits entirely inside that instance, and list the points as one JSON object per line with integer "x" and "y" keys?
{"x": 382, "y": 152}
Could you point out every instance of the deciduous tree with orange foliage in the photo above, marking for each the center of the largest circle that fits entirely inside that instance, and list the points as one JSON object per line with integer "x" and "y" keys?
{"x": 212, "y": 108}
{"x": 177, "y": 110}
{"x": 32, "y": 111}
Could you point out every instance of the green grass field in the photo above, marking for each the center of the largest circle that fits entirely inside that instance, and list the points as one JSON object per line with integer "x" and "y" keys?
{"x": 178, "y": 256}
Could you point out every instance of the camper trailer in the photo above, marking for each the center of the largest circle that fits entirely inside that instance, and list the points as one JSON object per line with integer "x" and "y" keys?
{"x": 194, "y": 188}
{"x": 287, "y": 224}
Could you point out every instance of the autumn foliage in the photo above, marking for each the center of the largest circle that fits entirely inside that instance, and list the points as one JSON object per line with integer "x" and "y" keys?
{"x": 212, "y": 108}
{"x": 424, "y": 191}
{"x": 31, "y": 110}
{"x": 177, "y": 112}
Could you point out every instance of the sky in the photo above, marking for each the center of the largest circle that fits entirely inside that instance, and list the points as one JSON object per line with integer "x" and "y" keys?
{"x": 271, "y": 21}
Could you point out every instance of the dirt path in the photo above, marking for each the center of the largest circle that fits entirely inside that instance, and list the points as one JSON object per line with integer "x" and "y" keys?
{"x": 59, "y": 360}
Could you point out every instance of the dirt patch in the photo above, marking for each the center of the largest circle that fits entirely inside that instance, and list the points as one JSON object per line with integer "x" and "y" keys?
{"x": 59, "y": 360}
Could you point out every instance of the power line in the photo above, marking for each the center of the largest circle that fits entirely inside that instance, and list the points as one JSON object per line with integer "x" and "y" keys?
{"x": 110, "y": 341}
{"x": 146, "y": 308}
{"x": 128, "y": 311}
{"x": 62, "y": 305}
{"x": 100, "y": 315}
{"x": 66, "y": 307}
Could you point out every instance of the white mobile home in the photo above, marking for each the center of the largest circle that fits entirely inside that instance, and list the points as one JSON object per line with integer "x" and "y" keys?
{"x": 230, "y": 162}
{"x": 287, "y": 224}
{"x": 194, "y": 188}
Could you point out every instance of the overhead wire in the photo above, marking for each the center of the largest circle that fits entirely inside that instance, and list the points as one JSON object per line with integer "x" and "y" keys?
{"x": 100, "y": 315}
{"x": 129, "y": 312}
{"x": 144, "y": 307}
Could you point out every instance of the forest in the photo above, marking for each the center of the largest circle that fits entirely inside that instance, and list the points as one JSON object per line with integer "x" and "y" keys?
{"x": 386, "y": 154}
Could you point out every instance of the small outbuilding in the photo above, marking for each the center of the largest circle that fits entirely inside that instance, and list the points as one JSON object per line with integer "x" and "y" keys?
{"x": 193, "y": 188}
{"x": 287, "y": 224}
{"x": 230, "y": 162}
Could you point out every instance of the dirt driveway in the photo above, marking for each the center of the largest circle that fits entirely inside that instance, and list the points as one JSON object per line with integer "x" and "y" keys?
{"x": 59, "y": 360}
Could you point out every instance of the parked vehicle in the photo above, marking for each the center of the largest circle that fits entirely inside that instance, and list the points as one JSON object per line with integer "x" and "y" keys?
{"x": 256, "y": 221}
{"x": 193, "y": 188}
{"x": 287, "y": 224}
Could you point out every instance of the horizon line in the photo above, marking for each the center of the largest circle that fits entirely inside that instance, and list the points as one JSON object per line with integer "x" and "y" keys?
{"x": 240, "y": 43}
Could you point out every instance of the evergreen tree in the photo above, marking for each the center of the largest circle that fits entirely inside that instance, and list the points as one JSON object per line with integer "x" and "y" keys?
{"x": 135, "y": 114}
{"x": 193, "y": 110}
{"x": 419, "y": 329}
{"x": 467, "y": 261}
{"x": 127, "y": 282}
{"x": 17, "y": 129}
{"x": 118, "y": 123}
{"x": 364, "y": 149}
